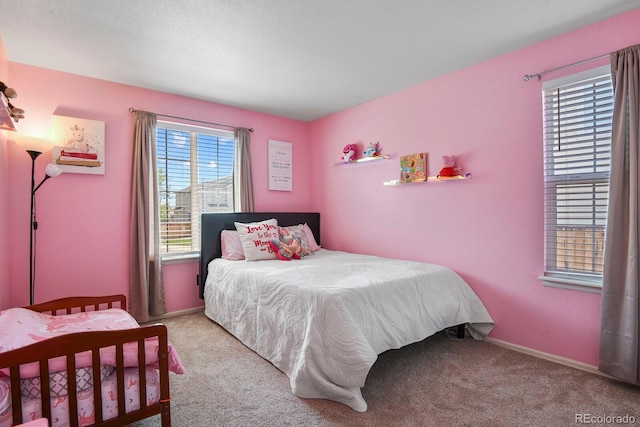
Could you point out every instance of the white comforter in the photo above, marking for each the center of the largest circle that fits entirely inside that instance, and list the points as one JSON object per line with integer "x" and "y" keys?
{"x": 324, "y": 319}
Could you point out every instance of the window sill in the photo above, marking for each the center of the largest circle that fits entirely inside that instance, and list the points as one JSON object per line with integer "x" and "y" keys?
{"x": 180, "y": 258}
{"x": 571, "y": 284}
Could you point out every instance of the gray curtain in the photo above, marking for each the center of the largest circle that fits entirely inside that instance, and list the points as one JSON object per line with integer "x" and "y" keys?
{"x": 243, "y": 181}
{"x": 146, "y": 291}
{"x": 620, "y": 329}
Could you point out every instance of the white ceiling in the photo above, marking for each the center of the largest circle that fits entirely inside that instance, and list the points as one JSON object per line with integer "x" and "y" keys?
{"x": 302, "y": 59}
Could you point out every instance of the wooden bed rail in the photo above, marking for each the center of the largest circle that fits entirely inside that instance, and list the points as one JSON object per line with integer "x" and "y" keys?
{"x": 80, "y": 304}
{"x": 69, "y": 345}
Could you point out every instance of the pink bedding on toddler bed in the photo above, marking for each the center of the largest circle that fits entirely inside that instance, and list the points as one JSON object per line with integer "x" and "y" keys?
{"x": 20, "y": 327}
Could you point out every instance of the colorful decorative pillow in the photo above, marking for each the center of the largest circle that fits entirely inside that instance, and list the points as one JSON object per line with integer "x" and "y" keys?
{"x": 287, "y": 252}
{"x": 289, "y": 234}
{"x": 231, "y": 245}
{"x": 255, "y": 238}
{"x": 313, "y": 245}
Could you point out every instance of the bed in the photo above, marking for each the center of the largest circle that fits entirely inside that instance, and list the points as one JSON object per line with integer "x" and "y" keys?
{"x": 324, "y": 319}
{"x": 90, "y": 345}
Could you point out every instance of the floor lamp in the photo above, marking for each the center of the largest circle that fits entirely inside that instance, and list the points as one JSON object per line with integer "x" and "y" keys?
{"x": 51, "y": 172}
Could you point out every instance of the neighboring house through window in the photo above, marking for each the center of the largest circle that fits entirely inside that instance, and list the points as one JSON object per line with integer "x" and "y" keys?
{"x": 195, "y": 175}
{"x": 577, "y": 115}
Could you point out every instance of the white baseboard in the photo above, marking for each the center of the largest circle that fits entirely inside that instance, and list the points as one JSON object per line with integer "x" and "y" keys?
{"x": 176, "y": 313}
{"x": 550, "y": 357}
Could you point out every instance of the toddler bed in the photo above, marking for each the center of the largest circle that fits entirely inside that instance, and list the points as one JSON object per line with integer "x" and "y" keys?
{"x": 102, "y": 368}
{"x": 324, "y": 318}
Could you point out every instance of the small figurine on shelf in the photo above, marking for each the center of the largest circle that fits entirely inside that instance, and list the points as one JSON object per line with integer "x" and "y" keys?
{"x": 349, "y": 153}
{"x": 372, "y": 150}
{"x": 449, "y": 169}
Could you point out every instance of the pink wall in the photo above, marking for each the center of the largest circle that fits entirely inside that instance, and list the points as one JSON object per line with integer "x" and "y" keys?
{"x": 4, "y": 194}
{"x": 83, "y": 235}
{"x": 4, "y": 227}
{"x": 490, "y": 228}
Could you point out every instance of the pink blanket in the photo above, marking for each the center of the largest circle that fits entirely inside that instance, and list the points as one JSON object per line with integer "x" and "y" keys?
{"x": 20, "y": 327}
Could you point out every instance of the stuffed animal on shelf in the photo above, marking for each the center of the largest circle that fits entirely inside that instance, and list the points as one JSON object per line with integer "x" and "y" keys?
{"x": 372, "y": 150}
{"x": 8, "y": 91}
{"x": 349, "y": 153}
{"x": 77, "y": 139}
{"x": 449, "y": 167}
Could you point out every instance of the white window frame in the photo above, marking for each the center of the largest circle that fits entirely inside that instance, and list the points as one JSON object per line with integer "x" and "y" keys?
{"x": 591, "y": 184}
{"x": 194, "y": 183}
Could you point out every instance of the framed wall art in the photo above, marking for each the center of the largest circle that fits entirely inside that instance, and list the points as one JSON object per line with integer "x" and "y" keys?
{"x": 79, "y": 145}
{"x": 413, "y": 168}
{"x": 280, "y": 166}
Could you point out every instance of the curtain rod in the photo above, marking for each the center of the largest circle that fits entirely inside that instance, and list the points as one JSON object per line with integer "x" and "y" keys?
{"x": 133, "y": 110}
{"x": 528, "y": 77}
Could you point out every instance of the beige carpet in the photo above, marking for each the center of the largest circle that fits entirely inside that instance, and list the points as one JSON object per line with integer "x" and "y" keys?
{"x": 436, "y": 382}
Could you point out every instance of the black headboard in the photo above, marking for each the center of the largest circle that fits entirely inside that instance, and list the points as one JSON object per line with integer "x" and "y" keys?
{"x": 212, "y": 224}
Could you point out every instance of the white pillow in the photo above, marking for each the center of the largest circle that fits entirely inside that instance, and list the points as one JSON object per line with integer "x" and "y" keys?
{"x": 255, "y": 238}
{"x": 231, "y": 245}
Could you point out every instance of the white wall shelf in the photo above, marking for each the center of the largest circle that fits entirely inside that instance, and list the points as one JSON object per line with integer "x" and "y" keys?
{"x": 363, "y": 160}
{"x": 397, "y": 182}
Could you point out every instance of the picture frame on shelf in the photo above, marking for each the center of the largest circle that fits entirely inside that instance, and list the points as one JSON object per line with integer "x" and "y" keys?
{"x": 413, "y": 168}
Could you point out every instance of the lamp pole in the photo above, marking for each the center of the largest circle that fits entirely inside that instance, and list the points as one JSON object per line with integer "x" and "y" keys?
{"x": 33, "y": 225}
{"x": 51, "y": 171}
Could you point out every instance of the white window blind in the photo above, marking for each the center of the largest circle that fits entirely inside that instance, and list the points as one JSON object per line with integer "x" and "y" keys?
{"x": 577, "y": 114}
{"x": 195, "y": 173}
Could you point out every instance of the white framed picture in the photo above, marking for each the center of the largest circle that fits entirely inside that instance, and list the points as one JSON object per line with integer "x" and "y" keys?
{"x": 79, "y": 145}
{"x": 280, "y": 166}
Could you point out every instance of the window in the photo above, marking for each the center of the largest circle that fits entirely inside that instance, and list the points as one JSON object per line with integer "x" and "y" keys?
{"x": 195, "y": 175}
{"x": 577, "y": 115}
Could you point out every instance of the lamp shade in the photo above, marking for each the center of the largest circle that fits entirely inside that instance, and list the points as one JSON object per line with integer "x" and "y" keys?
{"x": 33, "y": 143}
{"x": 53, "y": 170}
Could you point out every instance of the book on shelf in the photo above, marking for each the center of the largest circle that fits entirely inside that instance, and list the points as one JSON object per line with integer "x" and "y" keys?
{"x": 79, "y": 155}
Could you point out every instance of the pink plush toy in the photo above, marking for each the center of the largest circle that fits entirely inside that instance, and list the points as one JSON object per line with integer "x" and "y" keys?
{"x": 449, "y": 168}
{"x": 349, "y": 153}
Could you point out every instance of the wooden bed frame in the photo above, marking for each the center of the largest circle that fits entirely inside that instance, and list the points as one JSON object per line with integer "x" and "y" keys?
{"x": 70, "y": 344}
{"x": 212, "y": 225}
